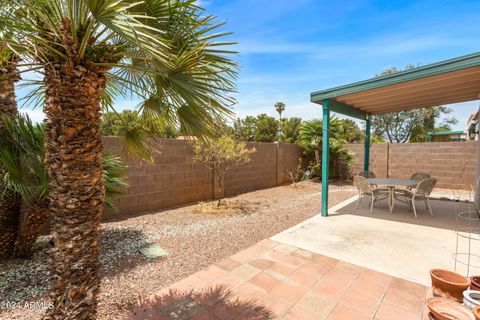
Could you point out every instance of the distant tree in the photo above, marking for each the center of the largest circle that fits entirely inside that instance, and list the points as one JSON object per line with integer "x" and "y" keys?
{"x": 311, "y": 139}
{"x": 266, "y": 128}
{"x": 290, "y": 129}
{"x": 244, "y": 129}
{"x": 280, "y": 107}
{"x": 351, "y": 132}
{"x": 410, "y": 125}
{"x": 221, "y": 154}
{"x": 118, "y": 124}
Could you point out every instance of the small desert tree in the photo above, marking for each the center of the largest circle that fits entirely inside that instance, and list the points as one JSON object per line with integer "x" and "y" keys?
{"x": 221, "y": 155}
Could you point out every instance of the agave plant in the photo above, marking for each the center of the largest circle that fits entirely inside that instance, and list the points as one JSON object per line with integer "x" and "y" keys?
{"x": 92, "y": 51}
{"x": 23, "y": 163}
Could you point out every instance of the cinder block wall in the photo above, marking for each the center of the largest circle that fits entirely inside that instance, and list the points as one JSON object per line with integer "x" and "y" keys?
{"x": 452, "y": 163}
{"x": 175, "y": 179}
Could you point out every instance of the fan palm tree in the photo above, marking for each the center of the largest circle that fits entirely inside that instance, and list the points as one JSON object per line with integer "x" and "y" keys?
{"x": 91, "y": 51}
{"x": 310, "y": 138}
{"x": 280, "y": 107}
{"x": 9, "y": 203}
{"x": 22, "y": 160}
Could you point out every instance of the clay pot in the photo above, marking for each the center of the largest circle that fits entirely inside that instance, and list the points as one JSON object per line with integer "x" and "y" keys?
{"x": 448, "y": 284}
{"x": 446, "y": 309}
{"x": 476, "y": 313}
{"x": 475, "y": 283}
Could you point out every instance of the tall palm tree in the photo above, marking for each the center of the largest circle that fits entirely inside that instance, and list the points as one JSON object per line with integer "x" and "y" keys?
{"x": 10, "y": 201}
{"x": 280, "y": 107}
{"x": 94, "y": 49}
{"x": 22, "y": 160}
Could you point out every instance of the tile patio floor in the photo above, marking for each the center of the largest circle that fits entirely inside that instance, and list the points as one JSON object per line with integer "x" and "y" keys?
{"x": 294, "y": 284}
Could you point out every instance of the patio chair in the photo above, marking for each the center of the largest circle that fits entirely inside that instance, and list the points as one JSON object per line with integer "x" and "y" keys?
{"x": 419, "y": 176}
{"x": 420, "y": 192}
{"x": 365, "y": 189}
{"x": 367, "y": 174}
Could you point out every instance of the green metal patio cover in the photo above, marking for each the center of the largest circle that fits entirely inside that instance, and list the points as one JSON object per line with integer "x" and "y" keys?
{"x": 446, "y": 82}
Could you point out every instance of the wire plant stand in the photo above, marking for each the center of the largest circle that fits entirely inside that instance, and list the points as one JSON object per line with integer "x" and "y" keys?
{"x": 467, "y": 230}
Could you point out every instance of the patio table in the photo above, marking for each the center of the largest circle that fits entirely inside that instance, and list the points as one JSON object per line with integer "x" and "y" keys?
{"x": 390, "y": 184}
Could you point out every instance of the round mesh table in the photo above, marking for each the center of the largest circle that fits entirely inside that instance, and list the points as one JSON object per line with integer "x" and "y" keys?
{"x": 390, "y": 184}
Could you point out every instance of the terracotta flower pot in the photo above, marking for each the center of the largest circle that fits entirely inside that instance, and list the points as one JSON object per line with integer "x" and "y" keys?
{"x": 475, "y": 283}
{"x": 446, "y": 309}
{"x": 448, "y": 284}
{"x": 476, "y": 313}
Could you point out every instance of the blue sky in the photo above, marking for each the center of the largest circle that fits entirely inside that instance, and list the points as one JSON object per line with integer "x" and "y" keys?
{"x": 289, "y": 48}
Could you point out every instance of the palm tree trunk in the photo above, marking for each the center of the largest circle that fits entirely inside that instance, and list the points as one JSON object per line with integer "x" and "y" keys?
{"x": 73, "y": 158}
{"x": 10, "y": 202}
{"x": 32, "y": 222}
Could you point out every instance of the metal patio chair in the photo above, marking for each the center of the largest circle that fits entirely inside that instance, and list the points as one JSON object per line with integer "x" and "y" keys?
{"x": 364, "y": 188}
{"x": 419, "y": 176}
{"x": 421, "y": 192}
{"x": 367, "y": 174}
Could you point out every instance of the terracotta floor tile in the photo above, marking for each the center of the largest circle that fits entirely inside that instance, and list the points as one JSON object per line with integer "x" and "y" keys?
{"x": 305, "y": 279}
{"x": 249, "y": 253}
{"x": 339, "y": 277}
{"x": 265, "y": 281}
{"x": 408, "y": 287}
{"x": 329, "y": 290}
{"x": 369, "y": 288}
{"x": 261, "y": 263}
{"x": 229, "y": 281}
{"x": 318, "y": 305}
{"x": 276, "y": 304}
{"x": 345, "y": 312}
{"x": 285, "y": 248}
{"x": 321, "y": 259}
{"x": 376, "y": 277}
{"x": 289, "y": 291}
{"x": 295, "y": 261}
{"x": 245, "y": 272}
{"x": 405, "y": 300}
{"x": 248, "y": 291}
{"x": 360, "y": 302}
{"x": 318, "y": 269}
{"x": 281, "y": 269}
{"x": 228, "y": 264}
{"x": 268, "y": 244}
{"x": 191, "y": 283}
{"x": 296, "y": 313}
{"x": 390, "y": 312}
{"x": 205, "y": 315}
{"x": 302, "y": 253}
{"x": 211, "y": 273}
{"x": 349, "y": 268}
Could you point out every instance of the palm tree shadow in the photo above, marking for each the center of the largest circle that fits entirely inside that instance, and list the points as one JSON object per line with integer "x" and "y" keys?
{"x": 212, "y": 303}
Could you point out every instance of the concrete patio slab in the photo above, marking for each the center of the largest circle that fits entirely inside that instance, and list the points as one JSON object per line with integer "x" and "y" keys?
{"x": 396, "y": 244}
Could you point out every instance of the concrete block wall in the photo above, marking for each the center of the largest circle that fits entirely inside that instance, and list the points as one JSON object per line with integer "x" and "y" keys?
{"x": 175, "y": 179}
{"x": 452, "y": 163}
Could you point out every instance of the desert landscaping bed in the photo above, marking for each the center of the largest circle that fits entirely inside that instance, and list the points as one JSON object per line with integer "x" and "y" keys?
{"x": 193, "y": 237}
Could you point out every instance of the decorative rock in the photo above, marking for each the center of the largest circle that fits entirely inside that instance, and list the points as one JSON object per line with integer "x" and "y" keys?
{"x": 153, "y": 251}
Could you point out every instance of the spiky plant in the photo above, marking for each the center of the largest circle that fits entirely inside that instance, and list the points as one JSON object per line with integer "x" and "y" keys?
{"x": 23, "y": 163}
{"x": 92, "y": 51}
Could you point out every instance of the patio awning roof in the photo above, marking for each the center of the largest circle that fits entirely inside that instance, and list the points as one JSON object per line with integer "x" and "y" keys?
{"x": 450, "y": 81}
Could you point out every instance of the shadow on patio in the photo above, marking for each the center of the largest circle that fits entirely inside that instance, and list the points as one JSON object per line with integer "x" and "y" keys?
{"x": 397, "y": 243}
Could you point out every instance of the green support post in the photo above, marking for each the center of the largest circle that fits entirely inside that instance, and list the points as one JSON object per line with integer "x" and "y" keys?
{"x": 325, "y": 156}
{"x": 366, "y": 160}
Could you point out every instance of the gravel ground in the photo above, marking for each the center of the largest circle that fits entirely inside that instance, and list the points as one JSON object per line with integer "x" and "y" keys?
{"x": 194, "y": 238}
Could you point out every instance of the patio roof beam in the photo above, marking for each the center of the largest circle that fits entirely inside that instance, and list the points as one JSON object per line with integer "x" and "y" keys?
{"x": 345, "y": 109}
